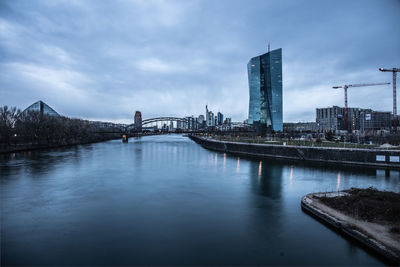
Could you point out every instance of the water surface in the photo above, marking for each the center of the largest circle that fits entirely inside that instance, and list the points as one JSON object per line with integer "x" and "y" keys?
{"x": 164, "y": 200}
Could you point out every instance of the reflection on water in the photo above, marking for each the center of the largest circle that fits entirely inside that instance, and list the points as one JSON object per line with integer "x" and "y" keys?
{"x": 338, "y": 182}
{"x": 267, "y": 179}
{"x": 291, "y": 175}
{"x": 166, "y": 200}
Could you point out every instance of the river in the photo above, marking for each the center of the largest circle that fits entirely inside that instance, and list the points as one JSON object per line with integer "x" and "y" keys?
{"x": 164, "y": 200}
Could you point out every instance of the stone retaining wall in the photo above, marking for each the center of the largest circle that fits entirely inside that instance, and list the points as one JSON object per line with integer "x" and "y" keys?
{"x": 348, "y": 156}
{"x": 349, "y": 229}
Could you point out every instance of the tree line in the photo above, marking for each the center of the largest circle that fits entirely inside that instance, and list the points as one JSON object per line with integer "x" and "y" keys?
{"x": 32, "y": 128}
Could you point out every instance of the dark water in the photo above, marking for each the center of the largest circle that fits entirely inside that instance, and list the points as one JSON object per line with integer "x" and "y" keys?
{"x": 165, "y": 200}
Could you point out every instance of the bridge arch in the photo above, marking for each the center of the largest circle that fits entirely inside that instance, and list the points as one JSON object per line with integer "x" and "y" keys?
{"x": 161, "y": 119}
{"x": 148, "y": 122}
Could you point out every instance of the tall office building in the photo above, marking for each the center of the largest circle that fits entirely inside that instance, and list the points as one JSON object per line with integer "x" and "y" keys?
{"x": 220, "y": 118}
{"x": 210, "y": 119}
{"x": 138, "y": 121}
{"x": 201, "y": 121}
{"x": 190, "y": 123}
{"x": 207, "y": 117}
{"x": 265, "y": 87}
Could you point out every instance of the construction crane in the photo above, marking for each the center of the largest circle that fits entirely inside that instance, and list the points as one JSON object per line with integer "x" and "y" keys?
{"x": 394, "y": 71}
{"x": 346, "y": 114}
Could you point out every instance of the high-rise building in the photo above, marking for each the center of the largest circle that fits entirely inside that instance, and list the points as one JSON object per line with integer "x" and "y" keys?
{"x": 207, "y": 116}
{"x": 191, "y": 123}
{"x": 265, "y": 87}
{"x": 201, "y": 121}
{"x": 138, "y": 121}
{"x": 210, "y": 118}
{"x": 220, "y": 118}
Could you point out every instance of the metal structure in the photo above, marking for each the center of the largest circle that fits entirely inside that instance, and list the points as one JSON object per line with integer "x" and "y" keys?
{"x": 346, "y": 114}
{"x": 394, "y": 71}
{"x": 155, "y": 120}
{"x": 161, "y": 119}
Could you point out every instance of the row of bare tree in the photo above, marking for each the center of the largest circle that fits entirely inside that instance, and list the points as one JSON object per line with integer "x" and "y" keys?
{"x": 31, "y": 128}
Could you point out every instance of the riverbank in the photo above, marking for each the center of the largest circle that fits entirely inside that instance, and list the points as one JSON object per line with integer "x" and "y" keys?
{"x": 376, "y": 158}
{"x": 369, "y": 216}
{"x": 294, "y": 142}
{"x": 31, "y": 147}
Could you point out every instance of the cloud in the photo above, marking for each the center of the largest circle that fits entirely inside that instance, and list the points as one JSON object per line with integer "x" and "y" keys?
{"x": 158, "y": 65}
{"x": 100, "y": 59}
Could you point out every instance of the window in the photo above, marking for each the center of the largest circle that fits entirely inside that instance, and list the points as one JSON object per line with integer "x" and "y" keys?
{"x": 380, "y": 158}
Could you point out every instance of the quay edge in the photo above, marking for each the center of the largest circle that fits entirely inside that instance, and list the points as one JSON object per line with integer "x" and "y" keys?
{"x": 376, "y": 158}
{"x": 349, "y": 229}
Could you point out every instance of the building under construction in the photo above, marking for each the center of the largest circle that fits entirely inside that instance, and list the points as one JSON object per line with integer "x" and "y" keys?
{"x": 364, "y": 120}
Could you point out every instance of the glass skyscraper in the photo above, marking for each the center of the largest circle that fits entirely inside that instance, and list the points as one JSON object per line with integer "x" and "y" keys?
{"x": 265, "y": 86}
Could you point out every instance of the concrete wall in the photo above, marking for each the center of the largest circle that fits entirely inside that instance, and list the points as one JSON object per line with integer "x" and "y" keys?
{"x": 360, "y": 157}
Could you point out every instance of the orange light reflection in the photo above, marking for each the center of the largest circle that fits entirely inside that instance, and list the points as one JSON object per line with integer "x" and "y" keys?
{"x": 224, "y": 160}
{"x": 291, "y": 175}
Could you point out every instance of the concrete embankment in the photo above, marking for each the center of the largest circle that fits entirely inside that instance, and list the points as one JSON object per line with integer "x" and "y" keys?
{"x": 345, "y": 156}
{"x": 374, "y": 236}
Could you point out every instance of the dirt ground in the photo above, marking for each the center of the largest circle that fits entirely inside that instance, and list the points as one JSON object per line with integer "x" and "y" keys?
{"x": 370, "y": 205}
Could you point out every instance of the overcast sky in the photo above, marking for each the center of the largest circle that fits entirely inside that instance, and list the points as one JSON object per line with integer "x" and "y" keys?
{"x": 105, "y": 59}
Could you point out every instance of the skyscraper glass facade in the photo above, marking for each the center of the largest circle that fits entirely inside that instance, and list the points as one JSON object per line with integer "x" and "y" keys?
{"x": 41, "y": 107}
{"x": 265, "y": 87}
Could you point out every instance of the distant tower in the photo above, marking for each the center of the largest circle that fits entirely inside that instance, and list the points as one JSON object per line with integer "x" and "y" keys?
{"x": 265, "y": 90}
{"x": 207, "y": 117}
{"x": 220, "y": 118}
{"x": 269, "y": 47}
{"x": 138, "y": 121}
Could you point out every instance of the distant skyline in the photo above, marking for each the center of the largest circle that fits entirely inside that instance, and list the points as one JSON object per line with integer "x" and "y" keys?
{"x": 103, "y": 60}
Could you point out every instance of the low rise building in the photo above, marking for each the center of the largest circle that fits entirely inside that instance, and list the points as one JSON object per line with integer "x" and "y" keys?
{"x": 333, "y": 119}
{"x": 330, "y": 119}
{"x": 375, "y": 120}
{"x": 300, "y": 127}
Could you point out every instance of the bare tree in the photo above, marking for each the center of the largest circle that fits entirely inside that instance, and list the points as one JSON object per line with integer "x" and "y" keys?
{"x": 8, "y": 118}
